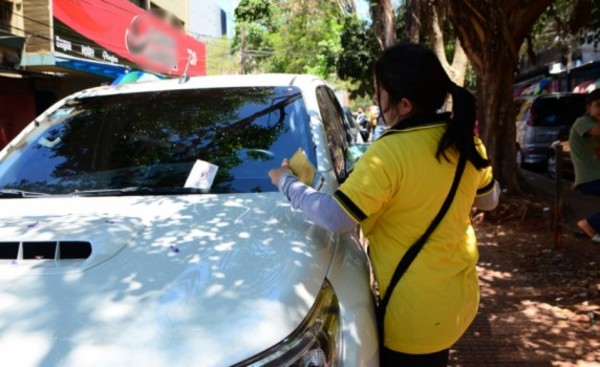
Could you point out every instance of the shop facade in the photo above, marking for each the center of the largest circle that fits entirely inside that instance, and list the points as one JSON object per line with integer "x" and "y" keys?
{"x": 58, "y": 47}
{"x": 582, "y": 75}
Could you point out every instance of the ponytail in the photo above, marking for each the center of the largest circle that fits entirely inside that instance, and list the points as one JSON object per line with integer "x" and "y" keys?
{"x": 413, "y": 72}
{"x": 461, "y": 126}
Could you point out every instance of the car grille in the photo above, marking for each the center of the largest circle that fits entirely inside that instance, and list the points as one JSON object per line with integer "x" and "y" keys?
{"x": 45, "y": 250}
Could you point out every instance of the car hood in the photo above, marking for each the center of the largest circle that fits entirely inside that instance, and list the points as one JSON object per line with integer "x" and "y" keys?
{"x": 199, "y": 280}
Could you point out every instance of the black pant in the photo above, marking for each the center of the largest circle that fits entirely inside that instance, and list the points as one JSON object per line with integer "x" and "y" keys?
{"x": 391, "y": 358}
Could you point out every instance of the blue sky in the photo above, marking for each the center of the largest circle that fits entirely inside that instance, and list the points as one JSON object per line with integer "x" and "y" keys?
{"x": 228, "y": 6}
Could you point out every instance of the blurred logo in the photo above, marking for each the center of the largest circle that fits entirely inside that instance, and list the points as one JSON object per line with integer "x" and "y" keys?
{"x": 145, "y": 40}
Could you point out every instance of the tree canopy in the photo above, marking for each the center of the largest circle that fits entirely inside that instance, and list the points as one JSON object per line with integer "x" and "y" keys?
{"x": 288, "y": 36}
{"x": 323, "y": 37}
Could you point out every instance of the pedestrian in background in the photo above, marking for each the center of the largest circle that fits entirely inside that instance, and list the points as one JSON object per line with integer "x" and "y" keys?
{"x": 373, "y": 114}
{"x": 584, "y": 142}
{"x": 380, "y": 127}
{"x": 397, "y": 188}
{"x": 361, "y": 118}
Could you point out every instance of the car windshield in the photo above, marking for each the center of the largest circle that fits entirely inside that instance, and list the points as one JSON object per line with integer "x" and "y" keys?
{"x": 561, "y": 111}
{"x": 152, "y": 140}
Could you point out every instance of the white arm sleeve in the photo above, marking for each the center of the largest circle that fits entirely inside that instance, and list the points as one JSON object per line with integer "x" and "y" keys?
{"x": 488, "y": 201}
{"x": 318, "y": 207}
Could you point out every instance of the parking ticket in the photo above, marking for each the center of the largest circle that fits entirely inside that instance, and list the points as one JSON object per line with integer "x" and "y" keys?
{"x": 202, "y": 175}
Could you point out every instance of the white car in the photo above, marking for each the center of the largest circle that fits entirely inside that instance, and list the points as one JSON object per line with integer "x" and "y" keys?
{"x": 139, "y": 227}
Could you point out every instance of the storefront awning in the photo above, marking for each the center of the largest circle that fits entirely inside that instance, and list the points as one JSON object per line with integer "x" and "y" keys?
{"x": 11, "y": 41}
{"x": 135, "y": 76}
{"x": 587, "y": 86}
{"x": 64, "y": 64}
{"x": 106, "y": 70}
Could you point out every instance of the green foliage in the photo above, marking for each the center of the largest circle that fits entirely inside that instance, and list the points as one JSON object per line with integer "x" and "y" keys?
{"x": 400, "y": 22}
{"x": 249, "y": 11}
{"x": 470, "y": 79}
{"x": 355, "y": 62}
{"x": 219, "y": 60}
{"x": 254, "y": 25}
{"x": 288, "y": 36}
{"x": 564, "y": 22}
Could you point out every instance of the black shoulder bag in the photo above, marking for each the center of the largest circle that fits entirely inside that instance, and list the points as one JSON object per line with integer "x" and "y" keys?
{"x": 413, "y": 251}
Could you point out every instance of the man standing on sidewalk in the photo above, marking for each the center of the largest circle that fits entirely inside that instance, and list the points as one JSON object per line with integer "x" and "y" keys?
{"x": 584, "y": 141}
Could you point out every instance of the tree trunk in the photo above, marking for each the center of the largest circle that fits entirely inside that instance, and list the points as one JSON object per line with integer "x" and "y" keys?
{"x": 430, "y": 12}
{"x": 413, "y": 20}
{"x": 491, "y": 32}
{"x": 496, "y": 109}
{"x": 382, "y": 15}
{"x": 459, "y": 64}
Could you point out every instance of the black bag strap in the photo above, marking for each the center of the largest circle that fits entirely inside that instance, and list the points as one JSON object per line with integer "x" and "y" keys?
{"x": 413, "y": 251}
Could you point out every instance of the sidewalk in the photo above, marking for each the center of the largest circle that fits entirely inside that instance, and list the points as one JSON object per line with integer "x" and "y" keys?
{"x": 575, "y": 206}
{"x": 540, "y": 306}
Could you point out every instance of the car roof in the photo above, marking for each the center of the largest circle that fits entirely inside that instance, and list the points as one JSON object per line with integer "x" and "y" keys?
{"x": 550, "y": 95}
{"x": 203, "y": 82}
{"x": 561, "y": 95}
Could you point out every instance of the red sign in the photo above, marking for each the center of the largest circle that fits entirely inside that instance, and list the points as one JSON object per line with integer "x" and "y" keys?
{"x": 130, "y": 32}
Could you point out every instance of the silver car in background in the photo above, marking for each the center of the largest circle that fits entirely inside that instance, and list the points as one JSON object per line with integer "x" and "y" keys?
{"x": 139, "y": 228}
{"x": 540, "y": 121}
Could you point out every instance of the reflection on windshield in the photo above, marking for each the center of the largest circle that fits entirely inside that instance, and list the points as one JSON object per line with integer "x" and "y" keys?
{"x": 154, "y": 139}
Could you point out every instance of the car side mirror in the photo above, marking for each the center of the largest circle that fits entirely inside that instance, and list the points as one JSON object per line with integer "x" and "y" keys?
{"x": 353, "y": 154}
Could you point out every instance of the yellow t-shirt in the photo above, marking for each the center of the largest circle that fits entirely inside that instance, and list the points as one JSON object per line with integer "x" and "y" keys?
{"x": 397, "y": 188}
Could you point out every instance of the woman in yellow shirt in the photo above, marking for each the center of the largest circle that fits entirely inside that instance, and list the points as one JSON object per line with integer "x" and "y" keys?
{"x": 397, "y": 188}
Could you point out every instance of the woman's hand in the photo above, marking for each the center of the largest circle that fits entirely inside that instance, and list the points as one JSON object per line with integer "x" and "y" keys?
{"x": 276, "y": 173}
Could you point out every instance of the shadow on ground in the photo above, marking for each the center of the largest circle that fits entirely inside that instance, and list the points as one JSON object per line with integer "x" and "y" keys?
{"x": 539, "y": 306}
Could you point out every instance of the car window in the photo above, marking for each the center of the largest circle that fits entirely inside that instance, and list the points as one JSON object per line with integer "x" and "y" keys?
{"x": 154, "y": 139}
{"x": 560, "y": 111}
{"x": 333, "y": 122}
{"x": 352, "y": 127}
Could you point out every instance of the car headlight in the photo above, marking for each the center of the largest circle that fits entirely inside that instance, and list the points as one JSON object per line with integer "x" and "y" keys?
{"x": 314, "y": 344}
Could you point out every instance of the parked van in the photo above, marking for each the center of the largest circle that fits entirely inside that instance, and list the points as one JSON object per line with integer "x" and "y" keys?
{"x": 541, "y": 120}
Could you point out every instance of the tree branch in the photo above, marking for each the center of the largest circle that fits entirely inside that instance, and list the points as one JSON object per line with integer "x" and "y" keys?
{"x": 437, "y": 37}
{"x": 459, "y": 64}
{"x": 522, "y": 18}
{"x": 504, "y": 30}
{"x": 413, "y": 22}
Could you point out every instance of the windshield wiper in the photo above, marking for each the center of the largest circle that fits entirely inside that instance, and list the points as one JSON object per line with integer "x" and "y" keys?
{"x": 138, "y": 190}
{"x": 12, "y": 193}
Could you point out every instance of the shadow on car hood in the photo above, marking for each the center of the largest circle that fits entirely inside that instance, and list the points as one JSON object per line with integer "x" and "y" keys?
{"x": 179, "y": 280}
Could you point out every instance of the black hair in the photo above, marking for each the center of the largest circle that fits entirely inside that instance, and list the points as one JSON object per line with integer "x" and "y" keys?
{"x": 593, "y": 96}
{"x": 413, "y": 72}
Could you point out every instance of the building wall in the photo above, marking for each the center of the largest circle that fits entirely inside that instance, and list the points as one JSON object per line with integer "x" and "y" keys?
{"x": 179, "y": 8}
{"x": 16, "y": 20}
{"x": 206, "y": 20}
{"x": 38, "y": 24}
{"x": 590, "y": 47}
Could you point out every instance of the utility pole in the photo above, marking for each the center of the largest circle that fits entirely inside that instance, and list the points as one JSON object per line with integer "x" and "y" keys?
{"x": 243, "y": 51}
